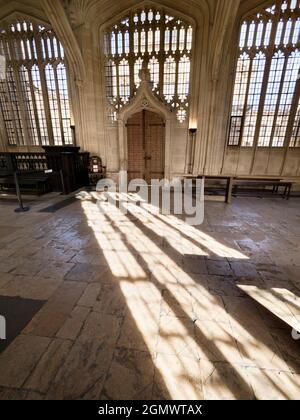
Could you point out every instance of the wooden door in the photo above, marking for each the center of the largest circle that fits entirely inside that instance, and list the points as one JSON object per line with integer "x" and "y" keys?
{"x": 146, "y": 146}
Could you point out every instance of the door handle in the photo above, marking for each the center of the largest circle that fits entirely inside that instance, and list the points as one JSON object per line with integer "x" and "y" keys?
{"x": 148, "y": 158}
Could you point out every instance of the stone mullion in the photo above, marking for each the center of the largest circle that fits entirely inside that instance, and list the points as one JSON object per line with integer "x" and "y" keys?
{"x": 283, "y": 32}
{"x": 107, "y": 43}
{"x": 269, "y": 56}
{"x": 6, "y": 49}
{"x": 292, "y": 30}
{"x": 188, "y": 54}
{"x": 116, "y": 42}
{"x": 33, "y": 53}
{"x": 3, "y": 126}
{"x": 246, "y": 99}
{"x": 153, "y": 53}
{"x": 170, "y": 40}
{"x": 30, "y": 51}
{"x": 178, "y": 37}
{"x": 71, "y": 103}
{"x": 117, "y": 63}
{"x": 264, "y": 32}
{"x": 247, "y": 34}
{"x": 255, "y": 32}
{"x": 161, "y": 55}
{"x": 189, "y": 91}
{"x": 261, "y": 105}
{"x": 11, "y": 113}
{"x": 146, "y": 28}
{"x": 139, "y": 38}
{"x": 15, "y": 52}
{"x": 23, "y": 113}
{"x": 177, "y": 58}
{"x": 34, "y": 106}
{"x": 123, "y": 43}
{"x": 52, "y": 46}
{"x": 131, "y": 53}
{"x": 279, "y": 98}
{"x": 110, "y": 49}
{"x": 292, "y": 116}
{"x": 42, "y": 69}
{"x": 293, "y": 110}
{"x": 147, "y": 55}
{"x": 59, "y": 104}
{"x": 184, "y": 51}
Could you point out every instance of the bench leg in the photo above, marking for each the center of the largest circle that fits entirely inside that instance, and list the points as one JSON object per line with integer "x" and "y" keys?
{"x": 286, "y": 193}
{"x": 229, "y": 190}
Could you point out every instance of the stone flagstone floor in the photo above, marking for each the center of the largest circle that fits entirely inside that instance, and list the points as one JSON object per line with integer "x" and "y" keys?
{"x": 143, "y": 306}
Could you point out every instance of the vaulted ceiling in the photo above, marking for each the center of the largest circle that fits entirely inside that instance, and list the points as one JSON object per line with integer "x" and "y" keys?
{"x": 97, "y": 9}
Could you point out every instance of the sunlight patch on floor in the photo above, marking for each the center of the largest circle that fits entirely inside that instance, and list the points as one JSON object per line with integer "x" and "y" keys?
{"x": 193, "y": 327}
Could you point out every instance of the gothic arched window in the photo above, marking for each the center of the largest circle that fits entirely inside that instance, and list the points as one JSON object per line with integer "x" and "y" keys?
{"x": 265, "y": 108}
{"x": 153, "y": 39}
{"x": 34, "y": 96}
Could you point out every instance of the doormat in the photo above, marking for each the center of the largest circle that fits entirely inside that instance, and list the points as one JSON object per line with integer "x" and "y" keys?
{"x": 17, "y": 313}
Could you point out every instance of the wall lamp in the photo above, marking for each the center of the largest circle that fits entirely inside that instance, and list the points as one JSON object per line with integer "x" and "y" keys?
{"x": 193, "y": 132}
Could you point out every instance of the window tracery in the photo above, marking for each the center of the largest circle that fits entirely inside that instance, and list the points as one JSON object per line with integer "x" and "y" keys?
{"x": 34, "y": 97}
{"x": 266, "y": 90}
{"x": 153, "y": 39}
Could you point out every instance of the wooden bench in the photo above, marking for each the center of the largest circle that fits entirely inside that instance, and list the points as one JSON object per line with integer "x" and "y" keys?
{"x": 232, "y": 185}
{"x": 31, "y": 170}
{"x": 39, "y": 180}
{"x": 275, "y": 184}
{"x": 228, "y": 184}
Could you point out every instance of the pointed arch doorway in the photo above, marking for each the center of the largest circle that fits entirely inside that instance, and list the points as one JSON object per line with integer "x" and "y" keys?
{"x": 146, "y": 146}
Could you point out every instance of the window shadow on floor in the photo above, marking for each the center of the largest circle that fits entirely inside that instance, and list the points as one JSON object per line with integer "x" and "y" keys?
{"x": 210, "y": 351}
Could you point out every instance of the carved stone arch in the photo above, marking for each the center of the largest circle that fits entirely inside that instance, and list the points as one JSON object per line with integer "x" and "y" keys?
{"x": 20, "y": 15}
{"x": 61, "y": 25}
{"x": 17, "y": 9}
{"x": 159, "y": 5}
{"x": 249, "y": 7}
{"x": 144, "y": 100}
{"x": 105, "y": 13}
